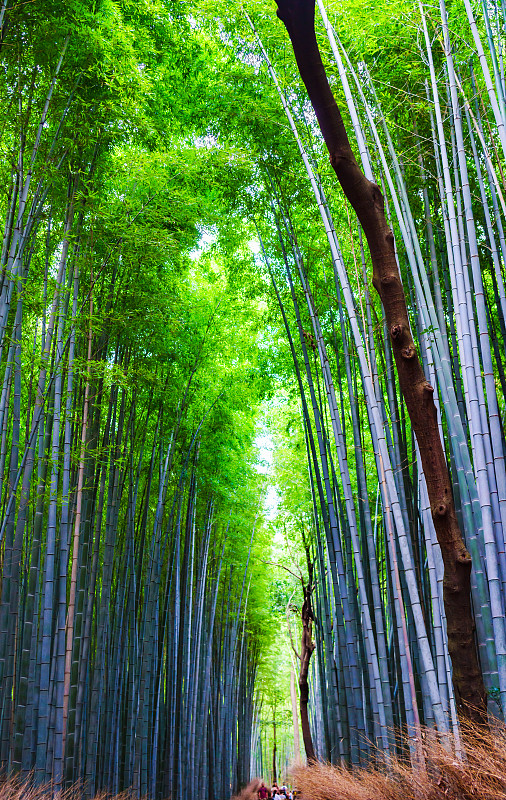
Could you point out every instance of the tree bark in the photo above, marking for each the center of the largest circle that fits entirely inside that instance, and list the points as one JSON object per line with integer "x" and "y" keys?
{"x": 298, "y": 17}
{"x": 274, "y": 749}
{"x": 295, "y": 717}
{"x": 307, "y": 647}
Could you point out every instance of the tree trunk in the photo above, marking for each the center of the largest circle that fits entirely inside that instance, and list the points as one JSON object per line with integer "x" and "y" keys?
{"x": 77, "y": 531}
{"x": 367, "y": 201}
{"x": 274, "y": 748}
{"x": 307, "y": 647}
{"x": 295, "y": 716}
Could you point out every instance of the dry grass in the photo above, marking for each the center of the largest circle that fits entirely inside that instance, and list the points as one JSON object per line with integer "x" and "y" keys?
{"x": 480, "y": 775}
{"x": 250, "y": 792}
{"x": 14, "y": 789}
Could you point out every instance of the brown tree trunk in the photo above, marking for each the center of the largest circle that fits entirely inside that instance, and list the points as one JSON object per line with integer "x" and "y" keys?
{"x": 367, "y": 201}
{"x": 307, "y": 647}
{"x": 295, "y": 718}
{"x": 274, "y": 749}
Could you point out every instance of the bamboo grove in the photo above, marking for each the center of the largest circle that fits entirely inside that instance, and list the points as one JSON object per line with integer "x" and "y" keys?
{"x": 127, "y": 657}
{"x": 382, "y": 651}
{"x": 177, "y": 261}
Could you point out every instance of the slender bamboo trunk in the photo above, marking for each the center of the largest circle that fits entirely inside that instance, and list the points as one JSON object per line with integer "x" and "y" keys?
{"x": 76, "y": 536}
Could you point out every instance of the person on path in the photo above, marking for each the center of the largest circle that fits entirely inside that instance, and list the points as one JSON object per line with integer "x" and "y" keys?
{"x": 263, "y": 792}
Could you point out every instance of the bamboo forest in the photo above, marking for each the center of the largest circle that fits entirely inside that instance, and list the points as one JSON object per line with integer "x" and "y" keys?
{"x": 253, "y": 399}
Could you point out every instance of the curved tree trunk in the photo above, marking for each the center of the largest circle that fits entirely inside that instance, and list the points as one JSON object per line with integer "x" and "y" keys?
{"x": 307, "y": 647}
{"x": 367, "y": 201}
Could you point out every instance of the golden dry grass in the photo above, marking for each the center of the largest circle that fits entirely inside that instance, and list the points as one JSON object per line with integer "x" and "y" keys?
{"x": 14, "y": 789}
{"x": 250, "y": 792}
{"x": 479, "y": 775}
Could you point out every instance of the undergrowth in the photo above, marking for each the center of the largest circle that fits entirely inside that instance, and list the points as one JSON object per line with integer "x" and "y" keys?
{"x": 15, "y": 789}
{"x": 478, "y": 772}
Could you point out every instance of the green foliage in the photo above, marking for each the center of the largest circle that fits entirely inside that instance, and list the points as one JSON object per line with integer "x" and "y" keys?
{"x": 160, "y": 157}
